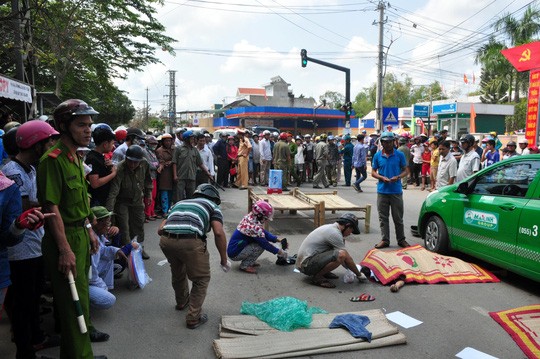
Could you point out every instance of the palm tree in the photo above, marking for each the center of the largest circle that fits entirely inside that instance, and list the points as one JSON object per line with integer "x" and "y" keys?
{"x": 501, "y": 73}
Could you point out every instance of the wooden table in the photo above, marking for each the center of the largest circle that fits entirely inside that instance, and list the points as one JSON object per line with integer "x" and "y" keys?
{"x": 318, "y": 202}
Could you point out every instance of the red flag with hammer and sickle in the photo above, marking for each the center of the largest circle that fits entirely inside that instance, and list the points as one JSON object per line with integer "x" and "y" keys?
{"x": 524, "y": 57}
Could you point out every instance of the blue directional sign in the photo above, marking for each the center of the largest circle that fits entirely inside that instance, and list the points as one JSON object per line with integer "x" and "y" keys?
{"x": 420, "y": 111}
{"x": 445, "y": 108}
{"x": 390, "y": 116}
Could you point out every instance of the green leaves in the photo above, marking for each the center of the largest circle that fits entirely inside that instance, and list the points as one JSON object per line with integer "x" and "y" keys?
{"x": 79, "y": 46}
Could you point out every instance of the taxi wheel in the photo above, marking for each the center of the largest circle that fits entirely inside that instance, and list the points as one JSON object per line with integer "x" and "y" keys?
{"x": 436, "y": 235}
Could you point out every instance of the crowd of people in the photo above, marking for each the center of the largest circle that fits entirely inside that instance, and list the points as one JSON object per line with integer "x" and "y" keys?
{"x": 74, "y": 197}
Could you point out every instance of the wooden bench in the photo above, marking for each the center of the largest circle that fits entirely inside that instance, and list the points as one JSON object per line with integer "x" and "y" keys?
{"x": 318, "y": 202}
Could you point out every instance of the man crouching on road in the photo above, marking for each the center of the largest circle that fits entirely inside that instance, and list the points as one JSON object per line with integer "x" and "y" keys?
{"x": 183, "y": 241}
{"x": 323, "y": 250}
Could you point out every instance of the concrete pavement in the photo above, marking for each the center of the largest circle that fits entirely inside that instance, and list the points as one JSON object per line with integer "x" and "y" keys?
{"x": 144, "y": 324}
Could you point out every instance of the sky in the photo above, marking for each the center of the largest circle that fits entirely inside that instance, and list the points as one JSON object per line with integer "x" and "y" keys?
{"x": 222, "y": 45}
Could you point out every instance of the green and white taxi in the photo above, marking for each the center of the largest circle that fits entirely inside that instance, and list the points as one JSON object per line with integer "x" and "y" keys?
{"x": 493, "y": 215}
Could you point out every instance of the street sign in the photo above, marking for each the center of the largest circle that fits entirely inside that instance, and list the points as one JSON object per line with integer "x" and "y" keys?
{"x": 445, "y": 108}
{"x": 390, "y": 116}
{"x": 420, "y": 111}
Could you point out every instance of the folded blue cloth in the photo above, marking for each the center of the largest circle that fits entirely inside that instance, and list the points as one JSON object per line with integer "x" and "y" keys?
{"x": 355, "y": 324}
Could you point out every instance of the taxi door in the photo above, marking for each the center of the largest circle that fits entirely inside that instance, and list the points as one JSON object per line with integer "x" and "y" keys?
{"x": 485, "y": 222}
{"x": 528, "y": 235}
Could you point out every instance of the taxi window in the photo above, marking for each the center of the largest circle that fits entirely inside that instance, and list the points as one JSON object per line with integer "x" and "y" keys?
{"x": 511, "y": 180}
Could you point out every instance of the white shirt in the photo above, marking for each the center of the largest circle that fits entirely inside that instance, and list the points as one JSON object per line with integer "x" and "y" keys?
{"x": 469, "y": 164}
{"x": 447, "y": 169}
{"x": 30, "y": 247}
{"x": 264, "y": 147}
{"x": 417, "y": 151}
{"x": 299, "y": 157}
{"x": 208, "y": 159}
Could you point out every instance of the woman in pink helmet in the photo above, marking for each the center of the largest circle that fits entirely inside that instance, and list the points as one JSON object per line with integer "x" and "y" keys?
{"x": 250, "y": 239}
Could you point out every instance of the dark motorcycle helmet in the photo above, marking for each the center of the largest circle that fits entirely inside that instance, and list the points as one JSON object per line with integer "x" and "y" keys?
{"x": 135, "y": 153}
{"x": 208, "y": 191}
{"x": 9, "y": 140}
{"x": 65, "y": 112}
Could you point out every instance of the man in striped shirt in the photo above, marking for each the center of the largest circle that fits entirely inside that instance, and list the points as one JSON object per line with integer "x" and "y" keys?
{"x": 183, "y": 241}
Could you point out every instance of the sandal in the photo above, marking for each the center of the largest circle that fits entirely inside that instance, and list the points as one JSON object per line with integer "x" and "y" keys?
{"x": 323, "y": 283}
{"x": 330, "y": 275}
{"x": 250, "y": 270}
{"x": 364, "y": 297}
{"x": 382, "y": 244}
{"x": 202, "y": 319}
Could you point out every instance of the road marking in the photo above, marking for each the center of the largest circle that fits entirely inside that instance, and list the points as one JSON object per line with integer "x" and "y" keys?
{"x": 481, "y": 310}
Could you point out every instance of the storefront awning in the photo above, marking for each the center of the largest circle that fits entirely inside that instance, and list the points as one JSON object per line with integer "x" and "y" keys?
{"x": 15, "y": 90}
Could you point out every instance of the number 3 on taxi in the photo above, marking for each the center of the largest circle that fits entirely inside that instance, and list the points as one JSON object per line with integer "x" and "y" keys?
{"x": 529, "y": 231}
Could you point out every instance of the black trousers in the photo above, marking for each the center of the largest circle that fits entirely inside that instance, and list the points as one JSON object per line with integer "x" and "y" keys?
{"x": 22, "y": 304}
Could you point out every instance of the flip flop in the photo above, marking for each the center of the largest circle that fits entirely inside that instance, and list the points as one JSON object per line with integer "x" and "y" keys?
{"x": 330, "y": 275}
{"x": 364, "y": 297}
{"x": 323, "y": 283}
{"x": 250, "y": 270}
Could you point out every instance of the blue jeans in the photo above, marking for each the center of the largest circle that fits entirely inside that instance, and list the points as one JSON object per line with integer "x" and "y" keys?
{"x": 166, "y": 197}
{"x": 361, "y": 175}
{"x": 101, "y": 298}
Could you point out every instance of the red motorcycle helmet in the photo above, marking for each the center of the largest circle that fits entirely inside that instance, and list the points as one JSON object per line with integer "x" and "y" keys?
{"x": 31, "y": 132}
{"x": 120, "y": 135}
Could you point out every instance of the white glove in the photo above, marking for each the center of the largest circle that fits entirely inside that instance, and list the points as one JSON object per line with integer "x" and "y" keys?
{"x": 226, "y": 267}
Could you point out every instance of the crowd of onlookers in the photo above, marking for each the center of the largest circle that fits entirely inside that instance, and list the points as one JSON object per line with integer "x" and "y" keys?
{"x": 138, "y": 177}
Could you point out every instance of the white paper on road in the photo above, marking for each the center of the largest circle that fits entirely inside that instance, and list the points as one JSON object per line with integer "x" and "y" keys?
{"x": 403, "y": 320}
{"x": 296, "y": 270}
{"x": 162, "y": 262}
{"x": 470, "y": 353}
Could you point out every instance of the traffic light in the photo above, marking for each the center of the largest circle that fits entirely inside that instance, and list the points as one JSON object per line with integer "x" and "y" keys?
{"x": 348, "y": 108}
{"x": 303, "y": 54}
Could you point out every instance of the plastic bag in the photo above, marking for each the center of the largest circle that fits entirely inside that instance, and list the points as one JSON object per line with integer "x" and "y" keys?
{"x": 349, "y": 276}
{"x": 283, "y": 313}
{"x": 137, "y": 272}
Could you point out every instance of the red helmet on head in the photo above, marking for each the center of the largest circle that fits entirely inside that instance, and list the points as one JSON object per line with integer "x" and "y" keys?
{"x": 31, "y": 132}
{"x": 283, "y": 135}
{"x": 120, "y": 135}
{"x": 263, "y": 209}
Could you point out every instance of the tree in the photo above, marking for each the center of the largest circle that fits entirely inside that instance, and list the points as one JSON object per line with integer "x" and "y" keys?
{"x": 497, "y": 71}
{"x": 105, "y": 38}
{"x": 397, "y": 93}
{"x": 517, "y": 121}
{"x": 78, "y": 46}
{"x": 333, "y": 99}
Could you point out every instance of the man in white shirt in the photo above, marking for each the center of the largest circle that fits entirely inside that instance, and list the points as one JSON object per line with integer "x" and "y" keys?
{"x": 470, "y": 161}
{"x": 266, "y": 157}
{"x": 523, "y": 143}
{"x": 416, "y": 151}
{"x": 207, "y": 158}
{"x": 446, "y": 174}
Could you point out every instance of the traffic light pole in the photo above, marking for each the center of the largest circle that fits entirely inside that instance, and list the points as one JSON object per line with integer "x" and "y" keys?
{"x": 347, "y": 71}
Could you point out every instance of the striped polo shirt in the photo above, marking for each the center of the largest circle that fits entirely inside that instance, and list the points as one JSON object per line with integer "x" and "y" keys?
{"x": 193, "y": 216}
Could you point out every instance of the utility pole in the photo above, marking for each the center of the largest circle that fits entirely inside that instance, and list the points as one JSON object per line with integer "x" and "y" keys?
{"x": 146, "y": 110}
{"x": 379, "y": 94}
{"x": 172, "y": 100}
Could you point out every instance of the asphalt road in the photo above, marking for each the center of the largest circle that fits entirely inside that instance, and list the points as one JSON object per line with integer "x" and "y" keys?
{"x": 144, "y": 324}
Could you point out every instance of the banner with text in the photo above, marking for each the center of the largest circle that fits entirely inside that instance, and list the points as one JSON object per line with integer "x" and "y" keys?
{"x": 531, "y": 125}
{"x": 15, "y": 90}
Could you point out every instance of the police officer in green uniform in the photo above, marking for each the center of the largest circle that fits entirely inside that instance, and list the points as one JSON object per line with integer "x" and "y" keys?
{"x": 130, "y": 190}
{"x": 67, "y": 243}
